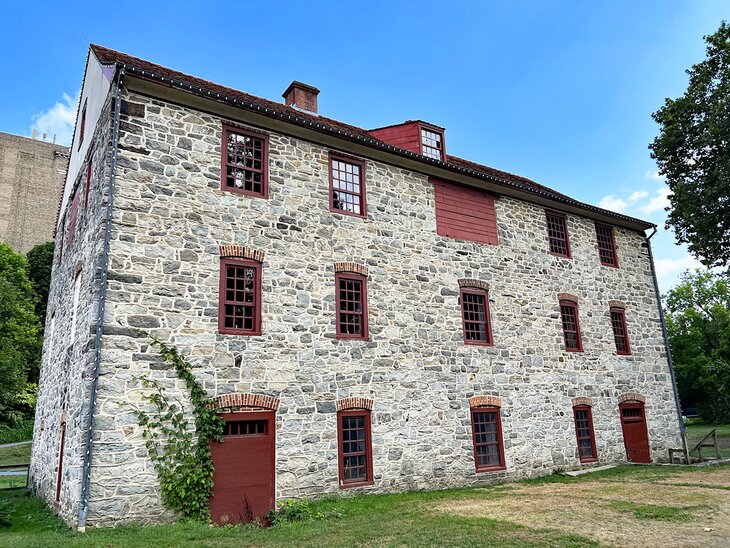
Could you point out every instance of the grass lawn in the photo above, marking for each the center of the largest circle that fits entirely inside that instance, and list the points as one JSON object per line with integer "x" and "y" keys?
{"x": 18, "y": 454}
{"x": 627, "y": 506}
{"x": 697, "y": 429}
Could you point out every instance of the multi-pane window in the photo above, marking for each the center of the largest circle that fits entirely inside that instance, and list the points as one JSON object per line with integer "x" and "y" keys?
{"x": 584, "y": 433}
{"x": 475, "y": 316}
{"x": 82, "y": 127}
{"x": 620, "y": 334}
{"x": 88, "y": 182}
{"x": 72, "y": 217}
{"x": 557, "y": 234}
{"x": 239, "y": 310}
{"x": 487, "y": 437}
{"x": 606, "y": 245}
{"x": 351, "y": 303}
{"x": 571, "y": 326}
{"x": 245, "y": 162}
{"x": 355, "y": 448}
{"x": 432, "y": 144}
{"x": 347, "y": 181}
{"x": 245, "y": 428}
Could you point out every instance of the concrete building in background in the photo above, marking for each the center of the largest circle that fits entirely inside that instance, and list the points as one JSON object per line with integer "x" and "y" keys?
{"x": 32, "y": 173}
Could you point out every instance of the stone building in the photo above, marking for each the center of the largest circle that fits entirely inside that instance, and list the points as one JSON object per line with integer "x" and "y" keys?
{"x": 368, "y": 312}
{"x": 32, "y": 172}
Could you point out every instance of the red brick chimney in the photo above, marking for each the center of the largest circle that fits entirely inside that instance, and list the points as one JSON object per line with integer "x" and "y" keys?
{"x": 301, "y": 96}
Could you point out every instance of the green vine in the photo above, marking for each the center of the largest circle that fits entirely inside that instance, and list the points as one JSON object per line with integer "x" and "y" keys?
{"x": 180, "y": 455}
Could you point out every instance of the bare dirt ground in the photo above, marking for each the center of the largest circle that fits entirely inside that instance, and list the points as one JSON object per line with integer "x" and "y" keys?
{"x": 678, "y": 508}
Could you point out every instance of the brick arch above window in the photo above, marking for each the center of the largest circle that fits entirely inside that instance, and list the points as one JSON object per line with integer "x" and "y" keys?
{"x": 352, "y": 267}
{"x": 485, "y": 401}
{"x": 241, "y": 252}
{"x": 346, "y": 404}
{"x": 246, "y": 399}
{"x": 631, "y": 396}
{"x": 470, "y": 282}
{"x": 568, "y": 297}
{"x": 616, "y": 304}
{"x": 582, "y": 400}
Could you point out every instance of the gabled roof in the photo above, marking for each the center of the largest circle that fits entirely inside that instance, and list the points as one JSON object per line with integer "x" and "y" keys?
{"x": 191, "y": 84}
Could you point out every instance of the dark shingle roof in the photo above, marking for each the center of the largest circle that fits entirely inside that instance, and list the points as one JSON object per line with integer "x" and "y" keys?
{"x": 145, "y": 69}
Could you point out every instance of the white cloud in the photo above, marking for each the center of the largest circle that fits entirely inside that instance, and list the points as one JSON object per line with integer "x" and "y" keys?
{"x": 667, "y": 267}
{"x": 638, "y": 195}
{"x": 654, "y": 175}
{"x": 613, "y": 203}
{"x": 658, "y": 202}
{"x": 58, "y": 120}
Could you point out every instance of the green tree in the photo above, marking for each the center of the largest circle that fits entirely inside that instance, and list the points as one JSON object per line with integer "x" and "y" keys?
{"x": 693, "y": 152}
{"x": 698, "y": 325}
{"x": 40, "y": 264}
{"x": 20, "y": 340}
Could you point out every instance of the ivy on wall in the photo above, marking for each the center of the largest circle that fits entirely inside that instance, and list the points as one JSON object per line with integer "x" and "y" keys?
{"x": 181, "y": 455}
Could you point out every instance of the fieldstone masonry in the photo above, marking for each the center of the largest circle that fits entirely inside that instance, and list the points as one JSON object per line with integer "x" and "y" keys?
{"x": 171, "y": 226}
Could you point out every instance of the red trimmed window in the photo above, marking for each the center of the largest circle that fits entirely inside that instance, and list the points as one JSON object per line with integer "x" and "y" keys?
{"x": 571, "y": 326}
{"x": 245, "y": 162}
{"x": 432, "y": 143}
{"x": 73, "y": 216}
{"x": 620, "y": 333}
{"x": 355, "y": 448}
{"x": 82, "y": 128}
{"x": 606, "y": 245}
{"x": 475, "y": 316}
{"x": 352, "y": 305}
{"x": 347, "y": 186}
{"x": 239, "y": 301}
{"x": 584, "y": 433}
{"x": 486, "y": 426}
{"x": 558, "y": 234}
{"x": 88, "y": 183}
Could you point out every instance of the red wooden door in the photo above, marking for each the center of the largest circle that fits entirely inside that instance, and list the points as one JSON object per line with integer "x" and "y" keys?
{"x": 243, "y": 477}
{"x": 636, "y": 437}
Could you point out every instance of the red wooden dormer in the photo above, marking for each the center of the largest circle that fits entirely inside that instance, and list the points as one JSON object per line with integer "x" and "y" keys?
{"x": 415, "y": 135}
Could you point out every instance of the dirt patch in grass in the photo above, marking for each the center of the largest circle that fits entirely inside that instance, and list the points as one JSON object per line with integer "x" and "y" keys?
{"x": 614, "y": 513}
{"x": 700, "y": 476}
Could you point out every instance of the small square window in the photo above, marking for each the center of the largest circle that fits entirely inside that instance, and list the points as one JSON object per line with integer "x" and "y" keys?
{"x": 352, "y": 307}
{"x": 571, "y": 326}
{"x": 584, "y": 433}
{"x": 432, "y": 144}
{"x": 606, "y": 245}
{"x": 239, "y": 299}
{"x": 487, "y": 439}
{"x": 557, "y": 234}
{"x": 475, "y": 316}
{"x": 347, "y": 186}
{"x": 355, "y": 448}
{"x": 245, "y": 162}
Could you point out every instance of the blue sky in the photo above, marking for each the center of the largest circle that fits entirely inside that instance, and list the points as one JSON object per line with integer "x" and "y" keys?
{"x": 560, "y": 92}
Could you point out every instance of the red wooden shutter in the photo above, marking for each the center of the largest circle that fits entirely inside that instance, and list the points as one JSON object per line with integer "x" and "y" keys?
{"x": 465, "y": 213}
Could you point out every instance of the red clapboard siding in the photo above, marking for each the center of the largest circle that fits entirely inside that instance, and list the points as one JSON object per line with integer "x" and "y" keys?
{"x": 407, "y": 136}
{"x": 465, "y": 213}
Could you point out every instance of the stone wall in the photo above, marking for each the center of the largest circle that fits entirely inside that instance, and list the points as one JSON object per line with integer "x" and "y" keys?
{"x": 170, "y": 218}
{"x": 67, "y": 359}
{"x": 31, "y": 180}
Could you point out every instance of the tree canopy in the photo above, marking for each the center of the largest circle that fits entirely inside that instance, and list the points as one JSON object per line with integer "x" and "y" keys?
{"x": 693, "y": 152}
{"x": 20, "y": 341}
{"x": 698, "y": 326}
{"x": 40, "y": 264}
